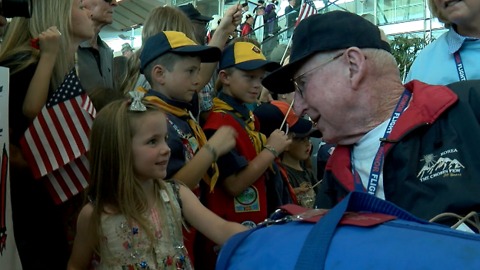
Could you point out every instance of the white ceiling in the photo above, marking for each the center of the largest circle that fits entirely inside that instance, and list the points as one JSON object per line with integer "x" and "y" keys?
{"x": 129, "y": 13}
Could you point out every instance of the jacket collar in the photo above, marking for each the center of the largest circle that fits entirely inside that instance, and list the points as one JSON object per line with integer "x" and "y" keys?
{"x": 427, "y": 104}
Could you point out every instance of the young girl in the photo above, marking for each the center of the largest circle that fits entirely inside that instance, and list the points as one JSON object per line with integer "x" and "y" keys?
{"x": 40, "y": 53}
{"x": 134, "y": 219}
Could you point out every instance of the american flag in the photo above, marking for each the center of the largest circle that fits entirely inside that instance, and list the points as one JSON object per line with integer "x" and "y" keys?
{"x": 308, "y": 8}
{"x": 56, "y": 142}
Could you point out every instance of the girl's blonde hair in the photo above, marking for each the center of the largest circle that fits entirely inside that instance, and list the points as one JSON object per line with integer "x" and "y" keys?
{"x": 16, "y": 51}
{"x": 160, "y": 19}
{"x": 113, "y": 183}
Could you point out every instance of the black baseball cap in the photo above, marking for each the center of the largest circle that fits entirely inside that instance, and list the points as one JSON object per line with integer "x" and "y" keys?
{"x": 193, "y": 14}
{"x": 322, "y": 33}
{"x": 271, "y": 115}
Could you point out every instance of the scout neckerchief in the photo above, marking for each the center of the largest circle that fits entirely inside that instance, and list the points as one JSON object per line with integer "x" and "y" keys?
{"x": 242, "y": 114}
{"x": 197, "y": 131}
{"x": 377, "y": 163}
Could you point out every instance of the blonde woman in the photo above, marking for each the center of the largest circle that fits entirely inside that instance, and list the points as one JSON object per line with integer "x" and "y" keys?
{"x": 40, "y": 52}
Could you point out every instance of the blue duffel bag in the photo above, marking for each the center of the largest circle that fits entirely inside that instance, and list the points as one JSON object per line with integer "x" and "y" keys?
{"x": 375, "y": 234}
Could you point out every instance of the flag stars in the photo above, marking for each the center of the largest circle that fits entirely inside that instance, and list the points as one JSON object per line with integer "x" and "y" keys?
{"x": 65, "y": 106}
{"x": 70, "y": 88}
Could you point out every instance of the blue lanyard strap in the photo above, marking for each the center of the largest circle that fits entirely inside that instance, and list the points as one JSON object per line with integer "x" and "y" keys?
{"x": 462, "y": 76}
{"x": 377, "y": 163}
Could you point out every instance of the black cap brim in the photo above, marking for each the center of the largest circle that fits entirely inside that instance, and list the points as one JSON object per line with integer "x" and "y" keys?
{"x": 304, "y": 128}
{"x": 257, "y": 64}
{"x": 202, "y": 18}
{"x": 301, "y": 128}
{"x": 280, "y": 81}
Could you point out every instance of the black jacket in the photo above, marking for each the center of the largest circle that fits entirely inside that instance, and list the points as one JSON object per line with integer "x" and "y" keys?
{"x": 291, "y": 14}
{"x": 432, "y": 164}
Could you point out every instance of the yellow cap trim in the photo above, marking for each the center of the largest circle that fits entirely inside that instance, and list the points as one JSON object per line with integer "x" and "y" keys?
{"x": 246, "y": 51}
{"x": 178, "y": 39}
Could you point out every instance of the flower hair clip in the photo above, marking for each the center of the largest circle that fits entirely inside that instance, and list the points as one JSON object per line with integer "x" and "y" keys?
{"x": 136, "y": 102}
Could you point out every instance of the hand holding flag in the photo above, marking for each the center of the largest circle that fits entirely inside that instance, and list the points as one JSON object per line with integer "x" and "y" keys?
{"x": 56, "y": 142}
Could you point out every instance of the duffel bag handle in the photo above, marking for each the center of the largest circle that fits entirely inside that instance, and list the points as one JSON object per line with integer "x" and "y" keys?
{"x": 315, "y": 248}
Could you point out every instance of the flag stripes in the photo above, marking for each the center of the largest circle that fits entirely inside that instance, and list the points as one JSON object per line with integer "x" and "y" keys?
{"x": 55, "y": 138}
{"x": 56, "y": 142}
{"x": 308, "y": 8}
{"x": 69, "y": 180}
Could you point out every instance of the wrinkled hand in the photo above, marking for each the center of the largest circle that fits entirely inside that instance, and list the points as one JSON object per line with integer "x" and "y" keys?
{"x": 279, "y": 140}
{"x": 49, "y": 41}
{"x": 223, "y": 140}
{"x": 231, "y": 19}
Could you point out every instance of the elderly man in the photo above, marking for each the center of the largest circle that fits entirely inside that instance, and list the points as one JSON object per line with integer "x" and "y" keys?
{"x": 95, "y": 57}
{"x": 199, "y": 22}
{"x": 415, "y": 145}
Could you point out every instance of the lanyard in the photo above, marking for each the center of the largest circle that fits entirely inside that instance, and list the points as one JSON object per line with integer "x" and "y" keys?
{"x": 462, "y": 76}
{"x": 377, "y": 163}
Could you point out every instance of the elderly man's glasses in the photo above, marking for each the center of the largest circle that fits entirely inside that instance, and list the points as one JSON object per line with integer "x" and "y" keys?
{"x": 299, "y": 83}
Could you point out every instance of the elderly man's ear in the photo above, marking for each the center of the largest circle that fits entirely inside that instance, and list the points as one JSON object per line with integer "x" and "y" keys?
{"x": 356, "y": 61}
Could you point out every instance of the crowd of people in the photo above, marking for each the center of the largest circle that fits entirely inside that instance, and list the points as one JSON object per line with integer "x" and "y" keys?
{"x": 195, "y": 139}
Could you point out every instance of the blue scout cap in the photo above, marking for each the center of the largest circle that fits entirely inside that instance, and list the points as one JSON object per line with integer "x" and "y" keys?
{"x": 245, "y": 56}
{"x": 176, "y": 42}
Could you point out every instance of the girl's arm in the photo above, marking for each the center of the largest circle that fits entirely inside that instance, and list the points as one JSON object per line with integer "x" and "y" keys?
{"x": 220, "y": 143}
{"x": 83, "y": 246}
{"x": 236, "y": 183}
{"x": 37, "y": 92}
{"x": 208, "y": 223}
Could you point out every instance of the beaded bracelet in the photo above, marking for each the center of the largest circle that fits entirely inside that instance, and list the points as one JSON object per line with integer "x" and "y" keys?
{"x": 271, "y": 149}
{"x": 212, "y": 151}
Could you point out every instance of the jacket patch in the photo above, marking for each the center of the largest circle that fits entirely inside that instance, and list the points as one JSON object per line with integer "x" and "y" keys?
{"x": 446, "y": 165}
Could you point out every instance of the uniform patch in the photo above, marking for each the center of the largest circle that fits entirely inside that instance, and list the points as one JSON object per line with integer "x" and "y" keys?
{"x": 248, "y": 201}
{"x": 444, "y": 165}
